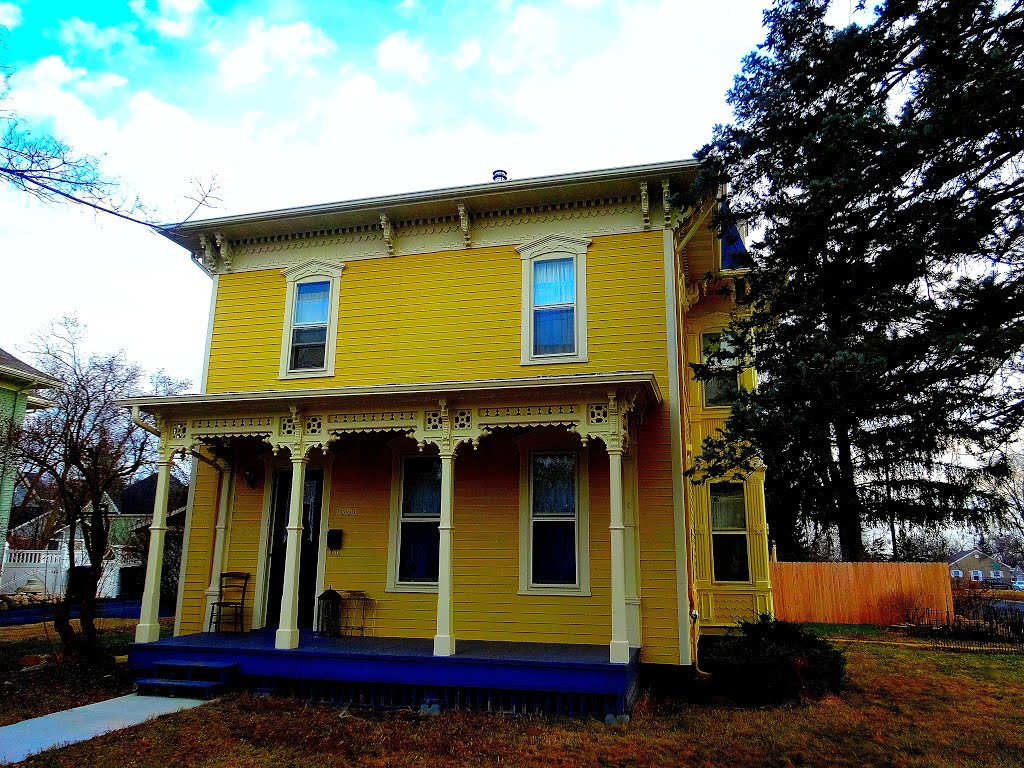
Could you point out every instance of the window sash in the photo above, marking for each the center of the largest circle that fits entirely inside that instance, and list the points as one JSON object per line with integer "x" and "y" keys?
{"x": 553, "y": 307}
{"x": 312, "y": 304}
{"x": 554, "y": 520}
{"x": 419, "y": 520}
{"x": 730, "y": 548}
{"x": 720, "y": 391}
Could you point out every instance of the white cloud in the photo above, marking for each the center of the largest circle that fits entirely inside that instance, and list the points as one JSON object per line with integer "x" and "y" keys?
{"x": 397, "y": 53}
{"x": 583, "y": 4}
{"x": 290, "y": 47}
{"x": 530, "y": 43}
{"x": 407, "y": 5}
{"x": 102, "y": 84}
{"x": 10, "y": 15}
{"x": 467, "y": 55}
{"x": 172, "y": 18}
{"x": 75, "y": 32}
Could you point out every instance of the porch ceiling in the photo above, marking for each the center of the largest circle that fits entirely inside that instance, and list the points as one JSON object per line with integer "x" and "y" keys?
{"x": 644, "y": 383}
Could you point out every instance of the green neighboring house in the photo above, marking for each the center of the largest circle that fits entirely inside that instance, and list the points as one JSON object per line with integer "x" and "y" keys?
{"x": 17, "y": 380}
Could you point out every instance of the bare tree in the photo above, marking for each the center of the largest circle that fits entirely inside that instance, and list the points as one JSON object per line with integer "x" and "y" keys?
{"x": 87, "y": 446}
{"x": 47, "y": 168}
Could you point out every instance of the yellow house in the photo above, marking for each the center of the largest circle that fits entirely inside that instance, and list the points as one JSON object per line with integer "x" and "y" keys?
{"x": 462, "y": 419}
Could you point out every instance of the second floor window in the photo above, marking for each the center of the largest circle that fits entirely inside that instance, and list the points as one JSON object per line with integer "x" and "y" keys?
{"x": 554, "y": 307}
{"x": 719, "y": 391}
{"x": 309, "y": 326}
{"x": 554, "y": 300}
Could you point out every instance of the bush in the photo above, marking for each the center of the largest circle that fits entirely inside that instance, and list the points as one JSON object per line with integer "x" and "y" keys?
{"x": 771, "y": 662}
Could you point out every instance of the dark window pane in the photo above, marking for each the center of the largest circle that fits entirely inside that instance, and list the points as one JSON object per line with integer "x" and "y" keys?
{"x": 308, "y": 356}
{"x": 314, "y": 335}
{"x": 554, "y": 484}
{"x": 421, "y": 487}
{"x": 729, "y": 551}
{"x": 554, "y": 552}
{"x": 417, "y": 559}
{"x": 727, "y": 507}
{"x": 554, "y": 331}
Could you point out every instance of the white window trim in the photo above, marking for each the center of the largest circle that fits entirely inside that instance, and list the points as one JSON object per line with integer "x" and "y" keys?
{"x": 541, "y": 442}
{"x": 312, "y": 271}
{"x": 554, "y": 247}
{"x": 977, "y": 575}
{"x": 400, "y": 450}
{"x": 995, "y": 573}
{"x": 956, "y": 573}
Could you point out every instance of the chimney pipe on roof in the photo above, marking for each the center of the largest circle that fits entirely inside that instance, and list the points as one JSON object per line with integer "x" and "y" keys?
{"x": 499, "y": 175}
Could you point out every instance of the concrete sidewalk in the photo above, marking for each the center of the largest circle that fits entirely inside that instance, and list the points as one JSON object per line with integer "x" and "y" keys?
{"x": 22, "y": 739}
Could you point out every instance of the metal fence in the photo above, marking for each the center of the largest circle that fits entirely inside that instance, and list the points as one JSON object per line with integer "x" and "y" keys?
{"x": 983, "y": 628}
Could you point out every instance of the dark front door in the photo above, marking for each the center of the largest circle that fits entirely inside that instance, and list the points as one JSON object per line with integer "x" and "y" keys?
{"x": 309, "y": 551}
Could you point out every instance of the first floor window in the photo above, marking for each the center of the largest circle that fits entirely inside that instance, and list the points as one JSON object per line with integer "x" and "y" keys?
{"x": 309, "y": 326}
{"x": 957, "y": 574}
{"x": 729, "y": 533}
{"x": 996, "y": 574}
{"x": 975, "y": 575}
{"x": 553, "y": 519}
{"x": 420, "y": 517}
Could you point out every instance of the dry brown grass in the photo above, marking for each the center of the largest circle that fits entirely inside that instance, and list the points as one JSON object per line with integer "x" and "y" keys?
{"x": 57, "y": 685}
{"x": 905, "y": 707}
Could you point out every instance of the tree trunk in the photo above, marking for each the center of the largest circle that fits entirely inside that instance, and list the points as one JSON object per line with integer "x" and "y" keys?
{"x": 851, "y": 540}
{"x": 88, "y": 605}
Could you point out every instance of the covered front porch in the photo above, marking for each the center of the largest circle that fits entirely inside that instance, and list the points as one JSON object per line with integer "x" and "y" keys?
{"x": 528, "y": 678}
{"x": 494, "y": 524}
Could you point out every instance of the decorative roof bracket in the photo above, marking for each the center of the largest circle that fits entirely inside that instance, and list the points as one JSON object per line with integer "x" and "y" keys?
{"x": 645, "y": 205}
{"x": 389, "y": 235}
{"x": 467, "y": 235}
{"x": 666, "y": 202}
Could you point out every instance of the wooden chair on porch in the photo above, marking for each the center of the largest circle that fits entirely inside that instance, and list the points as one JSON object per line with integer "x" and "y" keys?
{"x": 230, "y": 599}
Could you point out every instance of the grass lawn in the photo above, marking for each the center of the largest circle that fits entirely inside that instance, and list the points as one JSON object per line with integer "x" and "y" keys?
{"x": 51, "y": 687}
{"x": 905, "y": 706}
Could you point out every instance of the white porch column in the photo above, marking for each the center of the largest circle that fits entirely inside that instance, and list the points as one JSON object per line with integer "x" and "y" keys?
{"x": 288, "y": 628}
{"x": 619, "y": 646}
{"x": 444, "y": 642}
{"x": 148, "y": 629}
{"x": 227, "y": 477}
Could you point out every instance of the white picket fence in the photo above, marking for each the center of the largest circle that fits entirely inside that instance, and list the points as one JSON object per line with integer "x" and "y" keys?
{"x": 50, "y": 566}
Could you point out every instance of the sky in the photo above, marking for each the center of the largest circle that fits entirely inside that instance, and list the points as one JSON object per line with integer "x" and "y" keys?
{"x": 287, "y": 103}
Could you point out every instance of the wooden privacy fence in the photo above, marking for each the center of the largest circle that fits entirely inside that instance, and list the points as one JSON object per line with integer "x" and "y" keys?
{"x": 858, "y": 593}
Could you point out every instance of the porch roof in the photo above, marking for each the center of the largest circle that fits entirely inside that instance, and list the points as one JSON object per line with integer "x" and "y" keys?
{"x": 643, "y": 381}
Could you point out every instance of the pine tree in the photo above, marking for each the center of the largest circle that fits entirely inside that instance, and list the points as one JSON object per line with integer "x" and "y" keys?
{"x": 880, "y": 165}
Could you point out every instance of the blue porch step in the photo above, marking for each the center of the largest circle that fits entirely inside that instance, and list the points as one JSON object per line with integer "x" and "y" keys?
{"x": 159, "y": 686}
{"x": 192, "y": 678}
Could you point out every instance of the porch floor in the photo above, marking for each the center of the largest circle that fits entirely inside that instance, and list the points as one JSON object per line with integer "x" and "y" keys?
{"x": 547, "y": 669}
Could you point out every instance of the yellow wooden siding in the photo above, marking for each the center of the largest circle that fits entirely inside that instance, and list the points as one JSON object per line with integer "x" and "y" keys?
{"x": 242, "y": 542}
{"x": 657, "y": 544}
{"x": 196, "y": 568}
{"x": 361, "y": 506}
{"x": 396, "y": 318}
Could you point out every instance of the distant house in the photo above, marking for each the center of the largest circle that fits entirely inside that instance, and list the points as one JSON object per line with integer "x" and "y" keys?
{"x": 17, "y": 380}
{"x": 974, "y": 565}
{"x": 37, "y": 548}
